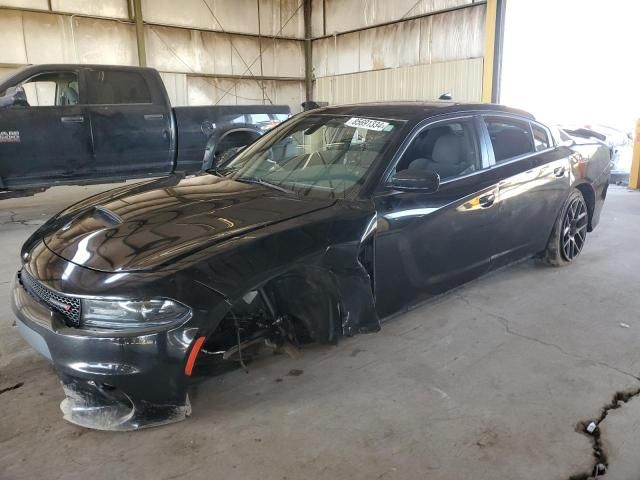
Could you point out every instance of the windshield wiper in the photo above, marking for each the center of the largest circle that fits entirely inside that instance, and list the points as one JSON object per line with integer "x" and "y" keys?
{"x": 262, "y": 182}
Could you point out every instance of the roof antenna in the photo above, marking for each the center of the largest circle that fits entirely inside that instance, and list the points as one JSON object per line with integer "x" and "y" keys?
{"x": 445, "y": 96}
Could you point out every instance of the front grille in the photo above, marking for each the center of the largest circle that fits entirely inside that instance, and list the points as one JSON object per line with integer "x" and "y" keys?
{"x": 69, "y": 307}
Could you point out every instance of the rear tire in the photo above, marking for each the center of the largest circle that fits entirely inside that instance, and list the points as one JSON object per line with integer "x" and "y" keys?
{"x": 569, "y": 232}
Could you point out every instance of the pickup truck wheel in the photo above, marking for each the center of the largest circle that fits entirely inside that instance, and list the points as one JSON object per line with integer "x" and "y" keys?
{"x": 225, "y": 155}
{"x": 569, "y": 232}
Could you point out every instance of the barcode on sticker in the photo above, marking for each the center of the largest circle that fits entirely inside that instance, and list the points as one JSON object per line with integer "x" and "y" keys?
{"x": 367, "y": 124}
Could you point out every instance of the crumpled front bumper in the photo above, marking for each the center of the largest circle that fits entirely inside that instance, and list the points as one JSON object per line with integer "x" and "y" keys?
{"x": 111, "y": 383}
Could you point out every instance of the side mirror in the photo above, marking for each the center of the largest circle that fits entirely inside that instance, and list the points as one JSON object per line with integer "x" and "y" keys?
{"x": 14, "y": 96}
{"x": 419, "y": 180}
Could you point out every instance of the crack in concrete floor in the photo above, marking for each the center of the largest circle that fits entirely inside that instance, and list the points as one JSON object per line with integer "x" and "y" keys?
{"x": 12, "y": 387}
{"x": 507, "y": 327}
{"x": 619, "y": 398}
{"x": 599, "y": 453}
{"x": 24, "y": 222}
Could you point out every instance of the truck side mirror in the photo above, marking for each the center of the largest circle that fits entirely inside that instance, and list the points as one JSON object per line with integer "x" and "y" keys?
{"x": 14, "y": 97}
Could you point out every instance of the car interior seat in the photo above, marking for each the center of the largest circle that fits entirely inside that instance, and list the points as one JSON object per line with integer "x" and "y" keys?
{"x": 422, "y": 146}
{"x": 69, "y": 96}
{"x": 447, "y": 158}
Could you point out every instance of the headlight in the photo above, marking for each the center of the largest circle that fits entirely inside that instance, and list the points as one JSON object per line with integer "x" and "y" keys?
{"x": 128, "y": 314}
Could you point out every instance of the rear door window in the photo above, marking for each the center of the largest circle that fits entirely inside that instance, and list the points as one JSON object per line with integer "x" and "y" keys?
{"x": 112, "y": 87}
{"x": 510, "y": 138}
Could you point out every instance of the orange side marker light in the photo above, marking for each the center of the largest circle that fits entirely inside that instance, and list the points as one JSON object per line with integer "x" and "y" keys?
{"x": 191, "y": 360}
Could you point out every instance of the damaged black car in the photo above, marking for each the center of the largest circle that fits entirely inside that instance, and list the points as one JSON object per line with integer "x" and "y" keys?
{"x": 332, "y": 222}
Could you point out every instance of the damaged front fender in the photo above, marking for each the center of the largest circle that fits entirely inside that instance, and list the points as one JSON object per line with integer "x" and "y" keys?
{"x": 320, "y": 275}
{"x": 329, "y": 303}
{"x": 336, "y": 297}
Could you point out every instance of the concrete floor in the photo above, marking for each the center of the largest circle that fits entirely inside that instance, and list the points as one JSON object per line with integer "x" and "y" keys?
{"x": 488, "y": 382}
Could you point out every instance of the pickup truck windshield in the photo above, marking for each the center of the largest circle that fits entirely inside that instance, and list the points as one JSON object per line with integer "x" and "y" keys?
{"x": 320, "y": 154}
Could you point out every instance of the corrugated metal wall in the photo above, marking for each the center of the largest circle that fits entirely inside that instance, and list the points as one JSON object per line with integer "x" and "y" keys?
{"x": 461, "y": 78}
{"x": 343, "y": 15}
{"x": 207, "y": 50}
{"x": 416, "y": 59}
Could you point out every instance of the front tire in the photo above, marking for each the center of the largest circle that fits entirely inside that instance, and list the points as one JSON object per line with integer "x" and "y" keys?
{"x": 569, "y": 232}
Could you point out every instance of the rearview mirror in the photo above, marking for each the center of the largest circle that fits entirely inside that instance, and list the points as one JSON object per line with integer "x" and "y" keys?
{"x": 14, "y": 96}
{"x": 425, "y": 181}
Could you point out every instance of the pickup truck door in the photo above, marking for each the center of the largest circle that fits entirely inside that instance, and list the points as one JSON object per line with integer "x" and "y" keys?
{"x": 47, "y": 138}
{"x": 131, "y": 123}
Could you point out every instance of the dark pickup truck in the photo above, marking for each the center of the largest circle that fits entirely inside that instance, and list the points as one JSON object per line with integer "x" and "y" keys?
{"x": 81, "y": 124}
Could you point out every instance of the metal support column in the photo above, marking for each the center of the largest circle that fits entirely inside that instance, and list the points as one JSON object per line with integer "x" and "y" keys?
{"x": 142, "y": 52}
{"x": 493, "y": 41}
{"x": 308, "y": 60}
{"x": 634, "y": 177}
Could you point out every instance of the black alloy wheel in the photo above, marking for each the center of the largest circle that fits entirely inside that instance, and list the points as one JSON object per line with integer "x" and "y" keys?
{"x": 574, "y": 228}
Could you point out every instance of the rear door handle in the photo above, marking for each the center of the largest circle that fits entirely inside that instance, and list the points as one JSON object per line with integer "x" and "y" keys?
{"x": 559, "y": 171}
{"x": 154, "y": 117}
{"x": 487, "y": 200}
{"x": 72, "y": 119}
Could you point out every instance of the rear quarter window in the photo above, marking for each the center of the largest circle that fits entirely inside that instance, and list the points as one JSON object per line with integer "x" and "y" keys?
{"x": 541, "y": 139}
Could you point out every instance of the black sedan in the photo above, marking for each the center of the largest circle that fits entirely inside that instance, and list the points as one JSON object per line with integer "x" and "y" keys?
{"x": 330, "y": 223}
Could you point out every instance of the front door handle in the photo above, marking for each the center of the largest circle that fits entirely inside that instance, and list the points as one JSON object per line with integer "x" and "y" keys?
{"x": 72, "y": 119}
{"x": 487, "y": 200}
{"x": 559, "y": 172}
{"x": 154, "y": 117}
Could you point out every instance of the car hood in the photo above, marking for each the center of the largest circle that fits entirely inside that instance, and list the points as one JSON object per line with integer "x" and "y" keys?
{"x": 150, "y": 226}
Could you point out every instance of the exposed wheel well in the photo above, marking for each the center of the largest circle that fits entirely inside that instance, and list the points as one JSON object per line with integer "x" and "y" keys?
{"x": 309, "y": 296}
{"x": 235, "y": 139}
{"x": 291, "y": 309}
{"x": 590, "y": 199}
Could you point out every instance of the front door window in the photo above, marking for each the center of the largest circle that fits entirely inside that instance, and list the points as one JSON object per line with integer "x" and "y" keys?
{"x": 52, "y": 89}
{"x": 450, "y": 150}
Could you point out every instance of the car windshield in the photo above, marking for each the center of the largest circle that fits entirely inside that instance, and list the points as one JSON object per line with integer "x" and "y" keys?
{"x": 327, "y": 155}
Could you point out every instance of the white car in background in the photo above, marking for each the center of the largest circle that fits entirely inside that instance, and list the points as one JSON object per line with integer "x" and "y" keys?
{"x": 620, "y": 144}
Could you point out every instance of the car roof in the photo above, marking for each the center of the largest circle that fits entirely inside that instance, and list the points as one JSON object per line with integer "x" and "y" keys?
{"x": 417, "y": 109}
